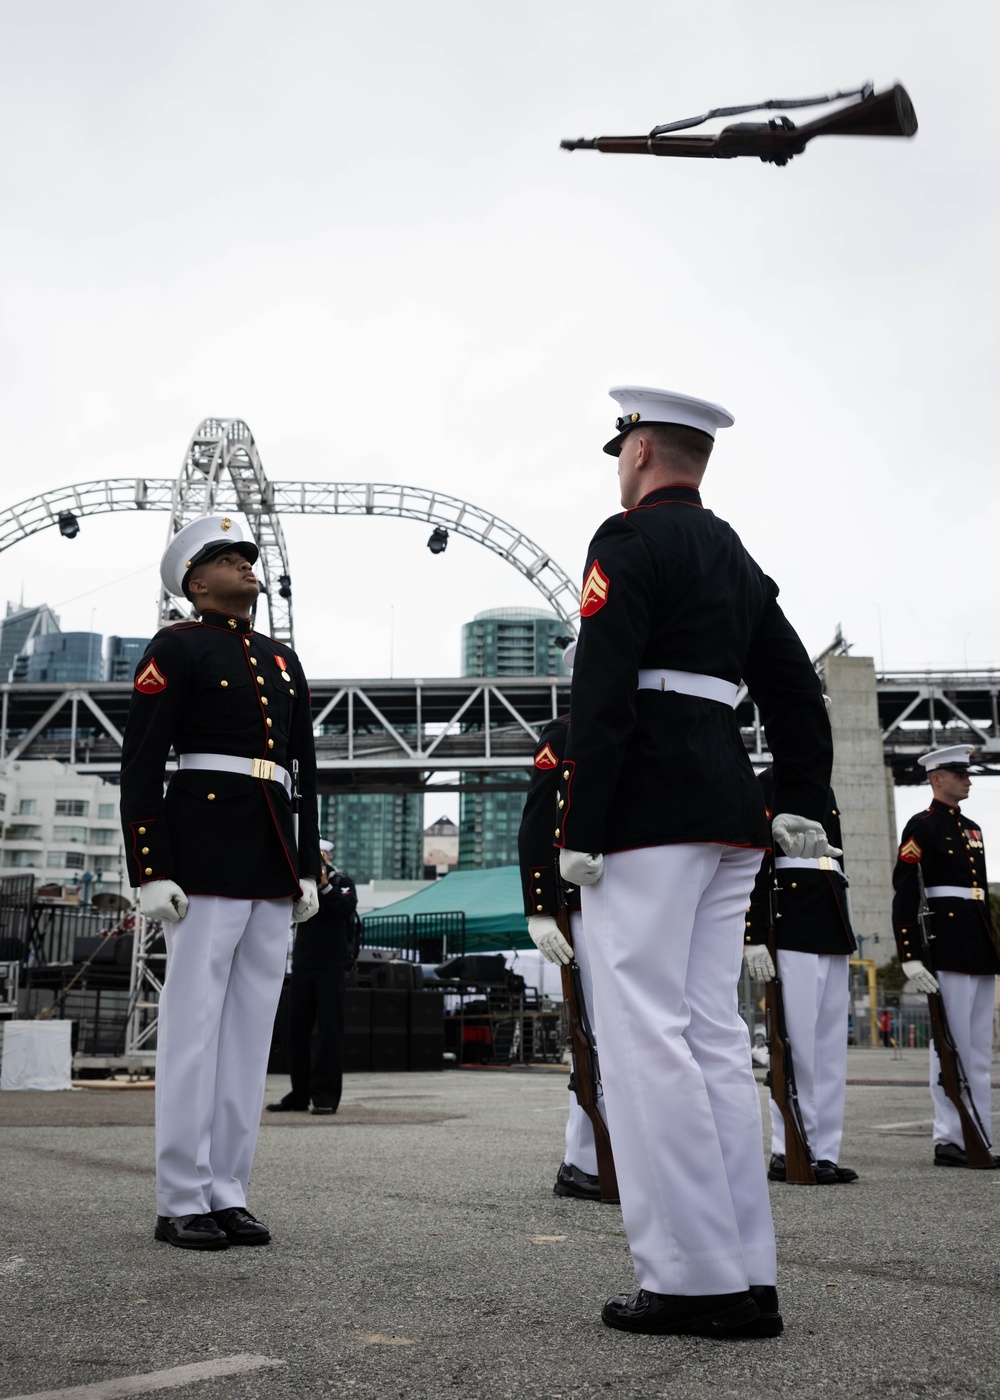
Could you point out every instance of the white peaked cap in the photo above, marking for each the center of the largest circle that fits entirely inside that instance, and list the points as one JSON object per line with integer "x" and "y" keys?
{"x": 198, "y": 541}
{"x": 569, "y": 656}
{"x": 326, "y": 846}
{"x": 957, "y": 756}
{"x": 641, "y": 405}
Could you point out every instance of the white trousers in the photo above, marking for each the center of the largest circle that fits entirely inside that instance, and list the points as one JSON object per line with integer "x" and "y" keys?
{"x": 225, "y": 965}
{"x": 968, "y": 1004}
{"x": 664, "y": 934}
{"x": 580, "y": 1151}
{"x": 816, "y": 996}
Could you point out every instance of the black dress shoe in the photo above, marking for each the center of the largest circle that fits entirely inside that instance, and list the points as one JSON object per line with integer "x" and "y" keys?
{"x": 843, "y": 1173}
{"x": 241, "y": 1227}
{"x": 949, "y": 1154}
{"x": 322, "y": 1108}
{"x": 709, "y": 1315}
{"x": 190, "y": 1232}
{"x": 824, "y": 1172}
{"x": 571, "y": 1181}
{"x": 769, "y": 1323}
{"x": 287, "y": 1105}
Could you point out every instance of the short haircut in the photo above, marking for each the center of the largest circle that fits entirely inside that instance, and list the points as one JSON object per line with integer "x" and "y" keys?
{"x": 677, "y": 440}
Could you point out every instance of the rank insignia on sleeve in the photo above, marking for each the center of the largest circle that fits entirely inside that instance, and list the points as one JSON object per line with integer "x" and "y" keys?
{"x": 910, "y": 851}
{"x": 150, "y": 679}
{"x": 595, "y": 591}
{"x": 545, "y": 758}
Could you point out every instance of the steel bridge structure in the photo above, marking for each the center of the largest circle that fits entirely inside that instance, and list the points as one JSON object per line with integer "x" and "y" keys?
{"x": 401, "y": 735}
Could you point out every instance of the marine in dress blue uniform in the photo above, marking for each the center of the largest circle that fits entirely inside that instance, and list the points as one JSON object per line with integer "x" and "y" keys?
{"x": 664, "y": 825}
{"x": 577, "y": 1174}
{"x": 215, "y": 857}
{"x": 948, "y": 847}
{"x": 814, "y": 943}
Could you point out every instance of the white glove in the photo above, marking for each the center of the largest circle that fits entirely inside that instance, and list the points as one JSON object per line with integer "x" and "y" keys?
{"x": 921, "y": 977}
{"x": 577, "y": 868}
{"x": 306, "y": 907}
{"x": 547, "y": 938}
{"x": 759, "y": 962}
{"x": 801, "y": 838}
{"x": 163, "y": 899}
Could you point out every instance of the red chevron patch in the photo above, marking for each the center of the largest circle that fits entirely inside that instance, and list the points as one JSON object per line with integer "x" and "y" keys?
{"x": 910, "y": 852}
{"x": 150, "y": 679}
{"x": 545, "y": 758}
{"x": 595, "y": 591}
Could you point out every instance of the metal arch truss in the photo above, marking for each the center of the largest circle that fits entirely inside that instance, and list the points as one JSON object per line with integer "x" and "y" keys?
{"x": 222, "y": 471}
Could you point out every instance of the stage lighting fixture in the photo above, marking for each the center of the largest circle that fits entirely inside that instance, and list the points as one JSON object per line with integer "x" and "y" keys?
{"x": 284, "y": 586}
{"x": 438, "y": 542}
{"x": 69, "y": 526}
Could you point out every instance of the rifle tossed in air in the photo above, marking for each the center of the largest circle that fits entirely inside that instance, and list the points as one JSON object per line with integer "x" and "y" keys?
{"x": 781, "y": 1072}
{"x": 586, "y": 1066}
{"x": 953, "y": 1079}
{"x": 775, "y": 142}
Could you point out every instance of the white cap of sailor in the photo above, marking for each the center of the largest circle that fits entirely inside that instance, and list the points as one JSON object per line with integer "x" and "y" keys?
{"x": 198, "y": 541}
{"x": 956, "y": 758}
{"x": 640, "y": 406}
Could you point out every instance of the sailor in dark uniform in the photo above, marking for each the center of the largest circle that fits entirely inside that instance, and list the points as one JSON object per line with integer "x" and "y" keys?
{"x": 315, "y": 1027}
{"x": 661, "y": 800}
{"x": 216, "y": 859}
{"x": 814, "y": 941}
{"x": 948, "y": 847}
{"x": 577, "y": 1175}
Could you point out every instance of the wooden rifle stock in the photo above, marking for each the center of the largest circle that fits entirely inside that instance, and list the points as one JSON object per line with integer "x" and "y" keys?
{"x": 953, "y": 1077}
{"x": 781, "y": 1074}
{"x": 586, "y": 1071}
{"x": 888, "y": 113}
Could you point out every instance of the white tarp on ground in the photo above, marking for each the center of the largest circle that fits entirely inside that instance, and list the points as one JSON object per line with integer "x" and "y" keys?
{"x": 36, "y": 1055}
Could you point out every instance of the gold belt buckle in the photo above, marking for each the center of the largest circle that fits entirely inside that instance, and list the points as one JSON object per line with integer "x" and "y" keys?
{"x": 825, "y": 863}
{"x": 978, "y": 894}
{"x": 262, "y": 768}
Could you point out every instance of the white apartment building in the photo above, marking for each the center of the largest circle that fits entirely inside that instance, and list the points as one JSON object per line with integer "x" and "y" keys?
{"x": 62, "y": 827}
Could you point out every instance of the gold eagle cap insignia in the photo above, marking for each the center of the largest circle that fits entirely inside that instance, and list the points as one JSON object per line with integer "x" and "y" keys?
{"x": 227, "y": 524}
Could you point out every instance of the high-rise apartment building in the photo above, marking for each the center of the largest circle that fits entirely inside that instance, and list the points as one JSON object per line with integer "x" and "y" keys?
{"x": 19, "y": 627}
{"x": 61, "y": 656}
{"x": 121, "y": 656}
{"x": 375, "y": 835}
{"x": 503, "y": 642}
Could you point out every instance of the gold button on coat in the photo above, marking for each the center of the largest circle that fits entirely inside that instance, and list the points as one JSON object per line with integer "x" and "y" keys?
{"x": 270, "y": 743}
{"x": 263, "y": 699}
{"x": 566, "y": 774}
{"x": 253, "y": 659}
{"x": 269, "y": 723}
{"x": 147, "y": 871}
{"x": 142, "y": 831}
{"x": 145, "y": 850}
{"x": 223, "y": 683}
{"x": 260, "y": 680}
{"x": 211, "y": 797}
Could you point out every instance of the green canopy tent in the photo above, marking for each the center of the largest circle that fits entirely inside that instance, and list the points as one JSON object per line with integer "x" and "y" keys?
{"x": 491, "y": 900}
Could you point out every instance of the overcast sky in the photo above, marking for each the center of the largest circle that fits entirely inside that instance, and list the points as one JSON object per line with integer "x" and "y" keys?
{"x": 351, "y": 225}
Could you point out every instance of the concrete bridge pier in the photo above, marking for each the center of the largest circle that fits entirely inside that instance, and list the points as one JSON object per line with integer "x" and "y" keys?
{"x": 866, "y": 799}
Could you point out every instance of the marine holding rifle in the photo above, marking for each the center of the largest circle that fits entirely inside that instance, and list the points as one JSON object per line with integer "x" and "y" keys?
{"x": 544, "y": 894}
{"x": 663, "y": 823}
{"x": 960, "y": 960}
{"x": 814, "y": 942}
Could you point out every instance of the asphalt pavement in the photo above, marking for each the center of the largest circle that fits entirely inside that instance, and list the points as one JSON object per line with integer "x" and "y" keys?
{"x": 419, "y": 1252}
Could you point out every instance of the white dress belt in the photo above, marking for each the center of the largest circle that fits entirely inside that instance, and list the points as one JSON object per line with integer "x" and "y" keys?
{"x": 809, "y": 863}
{"x": 229, "y": 763}
{"x": 954, "y": 892}
{"x": 690, "y": 683}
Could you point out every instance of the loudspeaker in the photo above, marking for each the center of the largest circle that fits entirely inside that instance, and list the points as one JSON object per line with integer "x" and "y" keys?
{"x": 390, "y": 1018}
{"x": 426, "y": 1030}
{"x": 357, "y": 1030}
{"x": 379, "y": 970}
